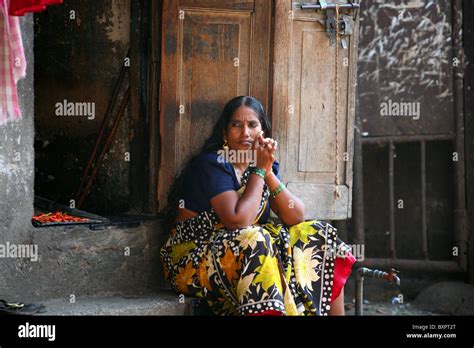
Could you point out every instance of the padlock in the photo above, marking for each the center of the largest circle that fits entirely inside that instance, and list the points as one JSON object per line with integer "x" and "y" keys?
{"x": 346, "y": 25}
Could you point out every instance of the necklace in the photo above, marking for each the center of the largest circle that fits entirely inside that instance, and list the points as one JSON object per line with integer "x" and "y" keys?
{"x": 238, "y": 173}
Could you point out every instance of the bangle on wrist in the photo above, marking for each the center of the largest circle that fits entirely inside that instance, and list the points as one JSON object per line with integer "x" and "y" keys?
{"x": 260, "y": 172}
{"x": 279, "y": 189}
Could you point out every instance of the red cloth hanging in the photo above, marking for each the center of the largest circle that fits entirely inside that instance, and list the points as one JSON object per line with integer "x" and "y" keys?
{"x": 22, "y": 7}
{"x": 13, "y": 64}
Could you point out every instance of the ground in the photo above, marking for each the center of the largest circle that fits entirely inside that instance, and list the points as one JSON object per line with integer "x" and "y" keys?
{"x": 384, "y": 309}
{"x": 439, "y": 298}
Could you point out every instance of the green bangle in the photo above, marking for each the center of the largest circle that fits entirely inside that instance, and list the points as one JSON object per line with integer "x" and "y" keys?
{"x": 260, "y": 172}
{"x": 280, "y": 188}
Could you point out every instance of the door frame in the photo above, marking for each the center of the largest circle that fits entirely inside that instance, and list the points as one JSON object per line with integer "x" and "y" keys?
{"x": 145, "y": 69}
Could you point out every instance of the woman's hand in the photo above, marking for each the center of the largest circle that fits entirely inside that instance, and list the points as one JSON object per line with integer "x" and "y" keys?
{"x": 265, "y": 152}
{"x": 271, "y": 145}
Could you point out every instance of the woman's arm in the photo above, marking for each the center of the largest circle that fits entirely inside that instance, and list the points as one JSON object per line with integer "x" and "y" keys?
{"x": 236, "y": 211}
{"x": 288, "y": 207}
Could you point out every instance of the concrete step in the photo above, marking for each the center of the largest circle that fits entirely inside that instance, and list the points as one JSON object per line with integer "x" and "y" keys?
{"x": 163, "y": 303}
{"x": 82, "y": 262}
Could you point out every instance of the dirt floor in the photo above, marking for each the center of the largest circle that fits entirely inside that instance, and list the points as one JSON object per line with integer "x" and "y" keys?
{"x": 440, "y": 298}
{"x": 384, "y": 309}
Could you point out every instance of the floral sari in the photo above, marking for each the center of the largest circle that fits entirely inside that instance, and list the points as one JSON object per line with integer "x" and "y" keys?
{"x": 258, "y": 270}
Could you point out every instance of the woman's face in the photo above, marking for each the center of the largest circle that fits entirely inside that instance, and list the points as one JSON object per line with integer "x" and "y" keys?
{"x": 242, "y": 129}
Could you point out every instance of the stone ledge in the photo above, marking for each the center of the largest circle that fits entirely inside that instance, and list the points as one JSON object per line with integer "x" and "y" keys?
{"x": 84, "y": 262}
{"x": 164, "y": 303}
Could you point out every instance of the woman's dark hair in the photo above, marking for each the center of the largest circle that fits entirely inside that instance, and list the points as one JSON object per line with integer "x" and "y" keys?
{"x": 212, "y": 144}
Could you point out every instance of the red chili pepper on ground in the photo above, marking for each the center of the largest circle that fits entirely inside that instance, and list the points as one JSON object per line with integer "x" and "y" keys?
{"x": 58, "y": 217}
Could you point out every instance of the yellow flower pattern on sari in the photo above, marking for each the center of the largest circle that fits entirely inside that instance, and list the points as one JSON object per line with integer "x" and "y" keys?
{"x": 268, "y": 274}
{"x": 250, "y": 238}
{"x": 301, "y": 232}
{"x": 244, "y": 285}
{"x": 306, "y": 267}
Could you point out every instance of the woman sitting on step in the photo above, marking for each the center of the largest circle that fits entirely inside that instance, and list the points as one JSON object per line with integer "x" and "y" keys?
{"x": 222, "y": 247}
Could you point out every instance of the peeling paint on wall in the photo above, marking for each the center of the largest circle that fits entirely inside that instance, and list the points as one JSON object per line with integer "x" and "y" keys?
{"x": 403, "y": 5}
{"x": 405, "y": 55}
{"x": 118, "y": 24}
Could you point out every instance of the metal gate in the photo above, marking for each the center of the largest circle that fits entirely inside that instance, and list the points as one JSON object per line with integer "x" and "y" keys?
{"x": 399, "y": 64}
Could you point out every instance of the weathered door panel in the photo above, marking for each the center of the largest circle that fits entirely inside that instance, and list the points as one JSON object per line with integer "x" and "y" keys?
{"x": 313, "y": 123}
{"x": 208, "y": 76}
{"x": 212, "y": 51}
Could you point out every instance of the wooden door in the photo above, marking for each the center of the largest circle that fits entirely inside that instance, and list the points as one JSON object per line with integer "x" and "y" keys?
{"x": 313, "y": 109}
{"x": 212, "y": 51}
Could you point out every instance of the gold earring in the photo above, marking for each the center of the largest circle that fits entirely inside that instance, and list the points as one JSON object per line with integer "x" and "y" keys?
{"x": 225, "y": 147}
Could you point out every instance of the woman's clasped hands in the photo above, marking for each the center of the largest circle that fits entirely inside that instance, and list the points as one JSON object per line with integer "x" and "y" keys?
{"x": 264, "y": 149}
